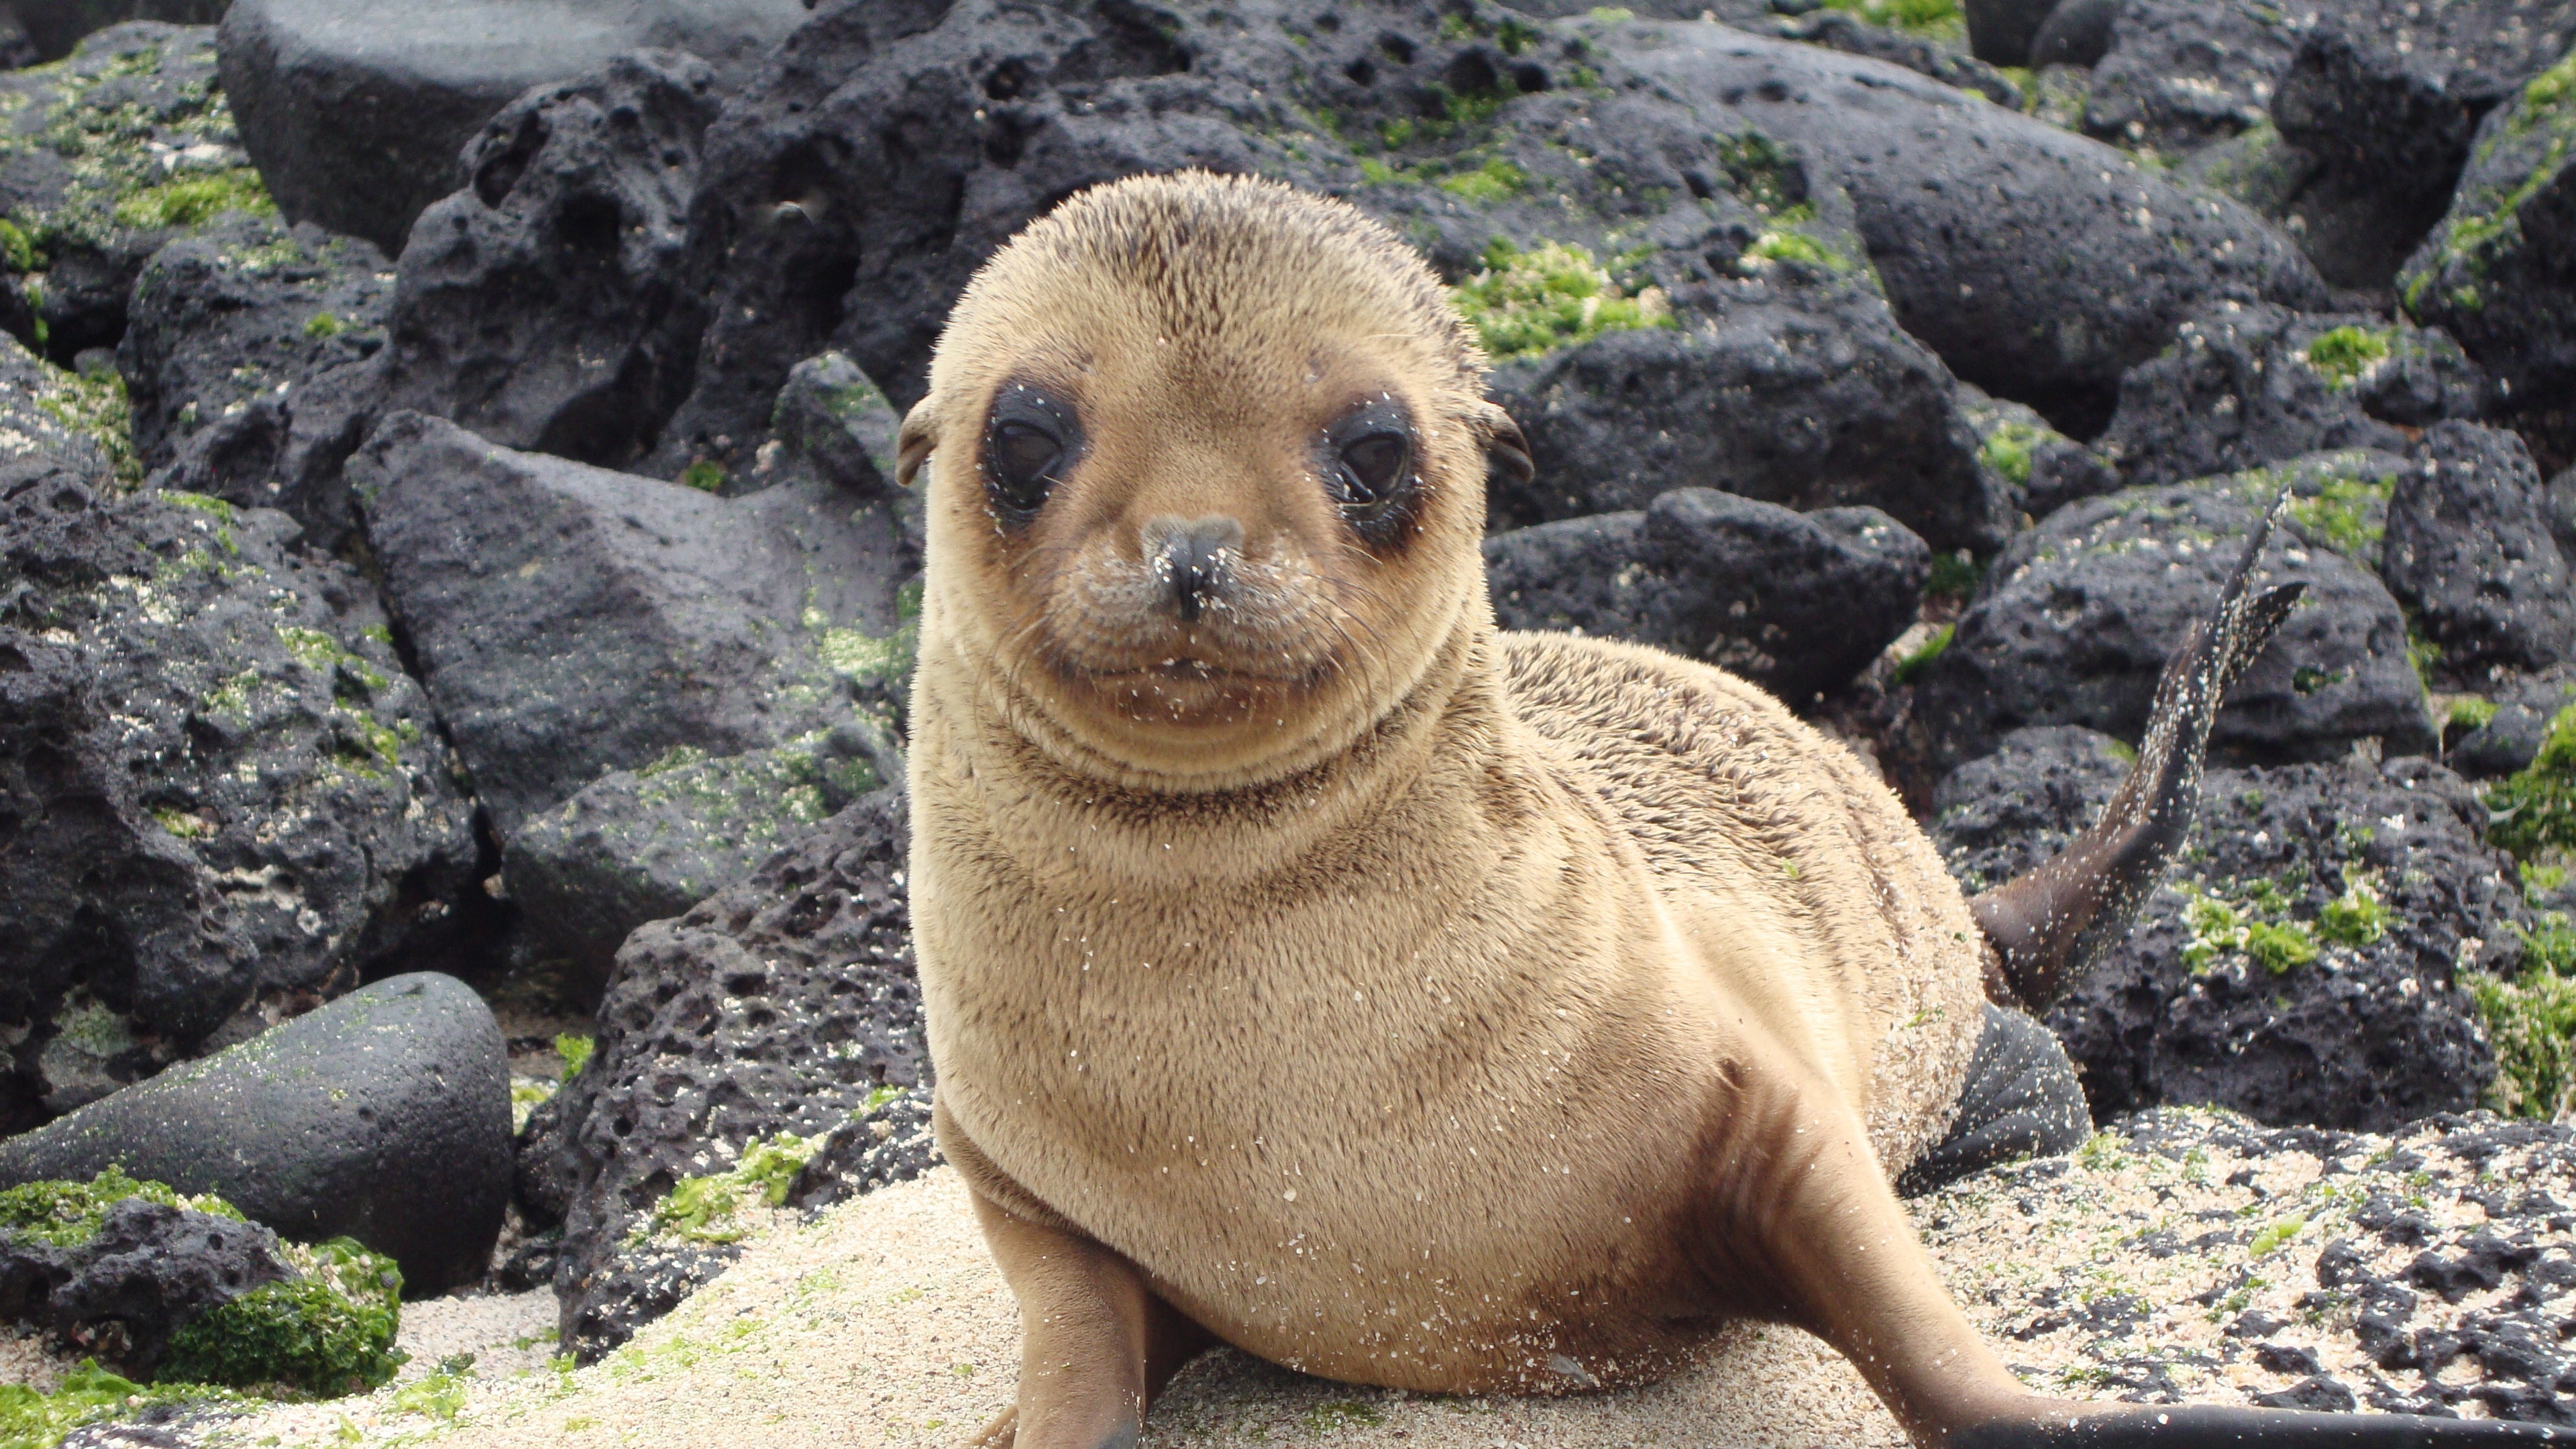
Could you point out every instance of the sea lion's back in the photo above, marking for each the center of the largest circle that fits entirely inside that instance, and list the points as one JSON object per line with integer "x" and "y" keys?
{"x": 1727, "y": 793}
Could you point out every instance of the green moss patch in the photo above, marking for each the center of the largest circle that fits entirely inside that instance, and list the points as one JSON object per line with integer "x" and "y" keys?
{"x": 1529, "y": 303}
{"x": 65, "y": 1214}
{"x": 1911, "y": 667}
{"x": 1930, "y": 19}
{"x": 575, "y": 1051}
{"x": 706, "y": 1209}
{"x": 1496, "y": 180}
{"x": 30, "y": 1419}
{"x": 95, "y": 406}
{"x": 2345, "y": 354}
{"x": 2531, "y": 1025}
{"x": 195, "y": 201}
{"x": 2536, "y": 810}
{"x": 2007, "y": 450}
{"x": 328, "y": 1332}
{"x": 2252, "y": 921}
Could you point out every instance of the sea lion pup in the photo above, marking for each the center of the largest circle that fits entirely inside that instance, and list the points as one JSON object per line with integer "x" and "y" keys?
{"x": 1310, "y": 966}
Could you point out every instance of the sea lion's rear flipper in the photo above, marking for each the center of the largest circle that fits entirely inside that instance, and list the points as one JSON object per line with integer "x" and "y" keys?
{"x": 2050, "y": 924}
{"x": 2212, "y": 1426}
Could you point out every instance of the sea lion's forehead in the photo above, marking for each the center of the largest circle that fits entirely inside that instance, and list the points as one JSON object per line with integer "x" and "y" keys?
{"x": 1219, "y": 274}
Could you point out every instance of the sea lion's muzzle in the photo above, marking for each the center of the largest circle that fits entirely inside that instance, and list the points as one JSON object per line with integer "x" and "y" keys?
{"x": 1194, "y": 559}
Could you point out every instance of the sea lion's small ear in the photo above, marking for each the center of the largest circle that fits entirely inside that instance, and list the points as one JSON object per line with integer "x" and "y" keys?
{"x": 1507, "y": 453}
{"x": 912, "y": 445}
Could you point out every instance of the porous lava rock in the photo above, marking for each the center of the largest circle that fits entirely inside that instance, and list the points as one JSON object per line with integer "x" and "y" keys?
{"x": 1992, "y": 230}
{"x": 2181, "y": 73}
{"x": 383, "y": 1116}
{"x": 2000, "y": 31}
{"x": 785, "y": 1003}
{"x": 1796, "y": 602}
{"x": 50, "y": 425}
{"x": 2076, "y": 618}
{"x": 1460, "y": 128}
{"x": 645, "y": 845}
{"x": 545, "y": 600}
{"x": 548, "y": 304}
{"x": 2469, "y": 552}
{"x": 220, "y": 794}
{"x": 2497, "y": 272}
{"x": 240, "y": 317}
{"x": 105, "y": 158}
{"x": 1799, "y": 390}
{"x": 2386, "y": 135}
{"x": 2511, "y": 737}
{"x": 149, "y": 1268}
{"x": 2299, "y": 965}
{"x": 2245, "y": 386}
{"x": 356, "y": 114}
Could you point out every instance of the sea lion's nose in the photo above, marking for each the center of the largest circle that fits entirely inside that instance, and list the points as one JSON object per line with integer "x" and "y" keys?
{"x": 1194, "y": 558}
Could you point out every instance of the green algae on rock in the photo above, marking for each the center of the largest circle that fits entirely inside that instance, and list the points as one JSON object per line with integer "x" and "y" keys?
{"x": 328, "y": 1331}
{"x": 68, "y": 1214}
{"x": 2535, "y": 810}
{"x": 109, "y": 154}
{"x": 34, "y": 1419}
{"x": 1529, "y": 303}
{"x": 2492, "y": 274}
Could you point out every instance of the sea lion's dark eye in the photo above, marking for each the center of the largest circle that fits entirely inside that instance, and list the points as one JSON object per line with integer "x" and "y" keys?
{"x": 1024, "y": 463}
{"x": 1367, "y": 463}
{"x": 1372, "y": 468}
{"x": 1030, "y": 443}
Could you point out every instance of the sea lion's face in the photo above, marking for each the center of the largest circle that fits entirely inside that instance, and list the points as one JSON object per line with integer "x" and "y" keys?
{"x": 1209, "y": 510}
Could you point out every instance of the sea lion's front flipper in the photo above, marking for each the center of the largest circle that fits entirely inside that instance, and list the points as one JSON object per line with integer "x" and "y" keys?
{"x": 2211, "y": 1426}
{"x": 2050, "y": 924}
{"x": 1097, "y": 1345}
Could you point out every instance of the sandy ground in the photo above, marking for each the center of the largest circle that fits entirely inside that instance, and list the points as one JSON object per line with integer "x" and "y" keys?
{"x": 884, "y": 1323}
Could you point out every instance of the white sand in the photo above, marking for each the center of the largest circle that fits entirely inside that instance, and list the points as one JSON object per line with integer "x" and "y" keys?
{"x": 884, "y": 1323}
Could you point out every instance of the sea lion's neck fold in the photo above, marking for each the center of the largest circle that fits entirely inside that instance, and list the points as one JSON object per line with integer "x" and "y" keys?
{"x": 1047, "y": 794}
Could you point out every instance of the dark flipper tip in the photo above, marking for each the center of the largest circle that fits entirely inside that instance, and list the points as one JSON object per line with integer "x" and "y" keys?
{"x": 2051, "y": 924}
{"x": 2211, "y": 1426}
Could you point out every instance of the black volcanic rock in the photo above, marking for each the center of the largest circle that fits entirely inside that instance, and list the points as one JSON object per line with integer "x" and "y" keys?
{"x": 2076, "y": 618}
{"x": 548, "y": 304}
{"x": 1796, "y": 602}
{"x": 222, "y": 795}
{"x": 2469, "y": 552}
{"x": 2038, "y": 264}
{"x": 355, "y": 113}
{"x": 2298, "y": 967}
{"x": 383, "y": 1116}
{"x": 787, "y": 1003}
{"x": 545, "y": 599}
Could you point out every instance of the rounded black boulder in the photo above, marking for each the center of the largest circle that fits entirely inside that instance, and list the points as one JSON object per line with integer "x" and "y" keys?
{"x": 384, "y": 1116}
{"x": 2077, "y": 617}
{"x": 1796, "y": 602}
{"x": 2000, "y": 31}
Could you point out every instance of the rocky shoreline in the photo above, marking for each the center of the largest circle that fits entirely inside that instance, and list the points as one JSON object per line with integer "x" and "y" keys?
{"x": 449, "y": 546}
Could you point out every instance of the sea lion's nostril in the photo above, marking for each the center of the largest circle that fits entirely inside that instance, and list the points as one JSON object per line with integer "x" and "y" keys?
{"x": 1195, "y": 558}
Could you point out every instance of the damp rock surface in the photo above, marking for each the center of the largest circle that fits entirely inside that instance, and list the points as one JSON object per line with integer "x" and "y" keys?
{"x": 226, "y": 796}
{"x": 786, "y": 1004}
{"x": 384, "y": 1116}
{"x": 1796, "y": 602}
{"x": 2301, "y": 964}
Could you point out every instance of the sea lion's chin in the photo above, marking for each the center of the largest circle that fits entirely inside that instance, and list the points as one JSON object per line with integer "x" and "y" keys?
{"x": 1186, "y": 714}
